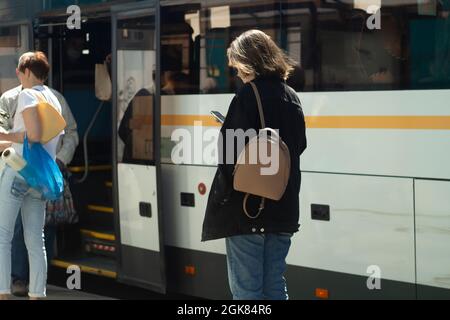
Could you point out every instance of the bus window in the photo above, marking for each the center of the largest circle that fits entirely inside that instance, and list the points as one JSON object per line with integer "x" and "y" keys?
{"x": 135, "y": 69}
{"x": 179, "y": 71}
{"x": 331, "y": 41}
{"x": 195, "y": 38}
{"x": 226, "y": 21}
{"x": 338, "y": 51}
{"x": 13, "y": 43}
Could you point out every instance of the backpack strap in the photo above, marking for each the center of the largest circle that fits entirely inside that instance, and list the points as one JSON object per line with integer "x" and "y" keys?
{"x": 261, "y": 207}
{"x": 260, "y": 108}
{"x": 263, "y": 125}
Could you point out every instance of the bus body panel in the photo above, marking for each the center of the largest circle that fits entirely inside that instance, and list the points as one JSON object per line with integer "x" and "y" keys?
{"x": 386, "y": 133}
{"x": 137, "y": 230}
{"x": 433, "y": 232}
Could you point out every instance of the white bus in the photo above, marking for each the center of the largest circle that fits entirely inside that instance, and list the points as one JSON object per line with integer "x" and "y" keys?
{"x": 375, "y": 194}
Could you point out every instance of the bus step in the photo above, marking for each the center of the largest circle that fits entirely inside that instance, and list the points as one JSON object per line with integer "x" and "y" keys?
{"x": 95, "y": 168}
{"x": 98, "y": 244}
{"x": 98, "y": 235}
{"x": 96, "y": 247}
{"x": 94, "y": 265}
{"x": 102, "y": 209}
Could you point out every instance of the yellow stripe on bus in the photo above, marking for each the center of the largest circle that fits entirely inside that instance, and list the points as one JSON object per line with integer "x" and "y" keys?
{"x": 379, "y": 122}
{"x": 332, "y": 122}
{"x": 189, "y": 120}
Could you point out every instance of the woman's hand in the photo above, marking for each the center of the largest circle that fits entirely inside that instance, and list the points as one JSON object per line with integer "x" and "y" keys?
{"x": 3, "y": 136}
{"x": 16, "y": 137}
{"x": 4, "y": 145}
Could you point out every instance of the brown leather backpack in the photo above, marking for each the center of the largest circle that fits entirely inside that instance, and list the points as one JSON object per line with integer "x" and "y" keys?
{"x": 248, "y": 175}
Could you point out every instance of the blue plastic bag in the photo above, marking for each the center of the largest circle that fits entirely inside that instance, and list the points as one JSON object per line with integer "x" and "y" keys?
{"x": 43, "y": 173}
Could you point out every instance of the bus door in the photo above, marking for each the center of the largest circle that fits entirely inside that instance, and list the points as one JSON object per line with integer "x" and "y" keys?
{"x": 136, "y": 145}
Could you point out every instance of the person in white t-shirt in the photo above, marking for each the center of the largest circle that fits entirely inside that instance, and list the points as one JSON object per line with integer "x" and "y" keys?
{"x": 15, "y": 194}
{"x": 64, "y": 155}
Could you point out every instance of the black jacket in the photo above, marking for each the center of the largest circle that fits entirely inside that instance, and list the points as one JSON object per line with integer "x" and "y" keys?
{"x": 225, "y": 216}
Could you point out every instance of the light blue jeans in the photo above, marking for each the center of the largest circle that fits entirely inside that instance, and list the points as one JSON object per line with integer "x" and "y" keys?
{"x": 256, "y": 266}
{"x": 15, "y": 196}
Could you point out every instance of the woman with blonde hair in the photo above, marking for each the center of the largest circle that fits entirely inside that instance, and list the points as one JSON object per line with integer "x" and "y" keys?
{"x": 15, "y": 194}
{"x": 257, "y": 245}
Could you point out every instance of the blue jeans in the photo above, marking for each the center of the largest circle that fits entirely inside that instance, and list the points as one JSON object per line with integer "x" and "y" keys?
{"x": 15, "y": 196}
{"x": 256, "y": 266}
{"x": 19, "y": 256}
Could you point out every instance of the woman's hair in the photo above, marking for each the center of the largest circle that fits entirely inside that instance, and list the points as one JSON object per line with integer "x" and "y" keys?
{"x": 255, "y": 53}
{"x": 36, "y": 62}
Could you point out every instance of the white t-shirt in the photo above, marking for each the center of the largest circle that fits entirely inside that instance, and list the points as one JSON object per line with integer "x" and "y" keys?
{"x": 28, "y": 98}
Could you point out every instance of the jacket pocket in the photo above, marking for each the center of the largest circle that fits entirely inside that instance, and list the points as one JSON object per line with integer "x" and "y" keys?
{"x": 222, "y": 189}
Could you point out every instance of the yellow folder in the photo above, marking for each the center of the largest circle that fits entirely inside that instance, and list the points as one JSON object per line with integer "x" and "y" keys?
{"x": 52, "y": 122}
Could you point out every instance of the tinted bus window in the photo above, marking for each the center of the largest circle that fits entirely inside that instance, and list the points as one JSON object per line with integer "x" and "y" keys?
{"x": 406, "y": 45}
{"x": 136, "y": 60}
{"x": 195, "y": 38}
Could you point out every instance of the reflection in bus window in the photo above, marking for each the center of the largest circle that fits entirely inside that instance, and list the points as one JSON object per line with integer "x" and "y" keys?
{"x": 339, "y": 52}
{"x": 136, "y": 128}
{"x": 195, "y": 38}
{"x": 330, "y": 40}
{"x": 177, "y": 50}
{"x": 13, "y": 43}
{"x": 136, "y": 63}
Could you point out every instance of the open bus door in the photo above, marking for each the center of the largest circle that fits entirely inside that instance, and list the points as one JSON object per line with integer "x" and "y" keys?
{"x": 136, "y": 145}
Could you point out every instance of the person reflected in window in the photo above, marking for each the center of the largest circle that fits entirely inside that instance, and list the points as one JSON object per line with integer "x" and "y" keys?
{"x": 384, "y": 56}
{"x": 128, "y": 124}
{"x": 176, "y": 82}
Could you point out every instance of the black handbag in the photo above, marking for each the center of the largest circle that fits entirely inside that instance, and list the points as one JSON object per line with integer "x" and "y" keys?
{"x": 62, "y": 211}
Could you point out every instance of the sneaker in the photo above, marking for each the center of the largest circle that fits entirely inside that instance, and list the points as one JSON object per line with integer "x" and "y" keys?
{"x": 19, "y": 288}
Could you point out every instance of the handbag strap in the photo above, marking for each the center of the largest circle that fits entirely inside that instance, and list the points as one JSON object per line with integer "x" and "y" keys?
{"x": 260, "y": 108}
{"x": 262, "y": 205}
{"x": 40, "y": 96}
{"x": 263, "y": 126}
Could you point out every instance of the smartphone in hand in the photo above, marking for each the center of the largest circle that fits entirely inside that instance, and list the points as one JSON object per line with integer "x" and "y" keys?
{"x": 218, "y": 116}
